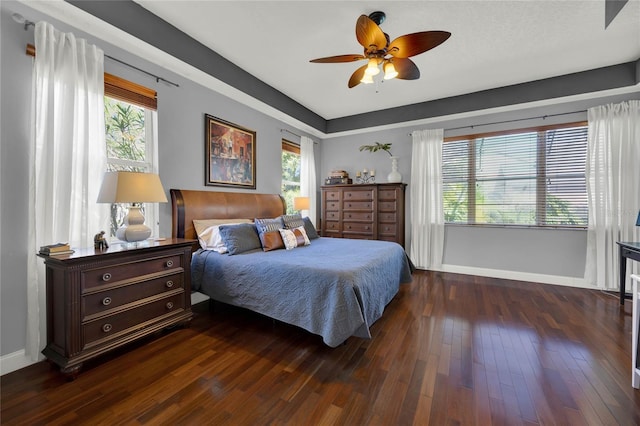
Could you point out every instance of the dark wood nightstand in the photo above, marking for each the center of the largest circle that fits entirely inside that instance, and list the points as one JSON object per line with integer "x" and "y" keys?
{"x": 100, "y": 300}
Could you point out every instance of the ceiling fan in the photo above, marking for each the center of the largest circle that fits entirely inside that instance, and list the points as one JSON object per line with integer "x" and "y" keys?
{"x": 392, "y": 57}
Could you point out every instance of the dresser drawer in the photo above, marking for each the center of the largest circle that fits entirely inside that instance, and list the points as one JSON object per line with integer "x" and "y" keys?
{"x": 358, "y": 195}
{"x": 110, "y": 327}
{"x": 388, "y": 230}
{"x": 111, "y": 274}
{"x": 332, "y": 195}
{"x": 330, "y": 215}
{"x": 387, "y": 206}
{"x": 387, "y": 217}
{"x": 331, "y": 226}
{"x": 333, "y": 206}
{"x": 357, "y": 227}
{"x": 362, "y": 216}
{"x": 387, "y": 195}
{"x": 358, "y": 205}
{"x": 112, "y": 298}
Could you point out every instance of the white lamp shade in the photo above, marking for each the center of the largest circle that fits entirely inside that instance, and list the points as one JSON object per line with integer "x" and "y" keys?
{"x": 301, "y": 203}
{"x": 131, "y": 187}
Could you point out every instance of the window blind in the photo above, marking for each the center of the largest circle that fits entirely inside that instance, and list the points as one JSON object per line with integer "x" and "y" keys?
{"x": 531, "y": 177}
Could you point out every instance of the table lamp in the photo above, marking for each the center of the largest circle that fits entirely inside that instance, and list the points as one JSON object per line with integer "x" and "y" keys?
{"x": 301, "y": 203}
{"x": 134, "y": 188}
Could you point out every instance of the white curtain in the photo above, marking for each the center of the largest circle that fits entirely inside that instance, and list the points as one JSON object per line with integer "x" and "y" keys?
{"x": 308, "y": 176}
{"x": 613, "y": 188}
{"x": 427, "y": 214}
{"x": 67, "y": 158}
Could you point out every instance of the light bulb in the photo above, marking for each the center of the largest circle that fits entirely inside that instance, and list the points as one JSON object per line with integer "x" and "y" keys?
{"x": 367, "y": 78}
{"x": 372, "y": 68}
{"x": 389, "y": 71}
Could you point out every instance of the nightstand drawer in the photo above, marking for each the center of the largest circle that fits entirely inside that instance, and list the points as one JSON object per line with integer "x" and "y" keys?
{"x": 111, "y": 274}
{"x": 114, "y": 297}
{"x": 110, "y": 327}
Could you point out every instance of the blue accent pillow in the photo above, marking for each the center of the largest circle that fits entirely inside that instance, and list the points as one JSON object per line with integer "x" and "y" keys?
{"x": 292, "y": 221}
{"x": 266, "y": 225}
{"x": 240, "y": 237}
{"x": 310, "y": 229}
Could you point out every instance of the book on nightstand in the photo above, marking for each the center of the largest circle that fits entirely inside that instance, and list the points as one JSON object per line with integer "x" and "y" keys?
{"x": 56, "y": 249}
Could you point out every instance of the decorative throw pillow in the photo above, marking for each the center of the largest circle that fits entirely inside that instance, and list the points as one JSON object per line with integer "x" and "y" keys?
{"x": 293, "y": 238}
{"x": 310, "y": 229}
{"x": 240, "y": 238}
{"x": 271, "y": 240}
{"x": 292, "y": 221}
{"x": 266, "y": 225}
{"x": 208, "y": 232}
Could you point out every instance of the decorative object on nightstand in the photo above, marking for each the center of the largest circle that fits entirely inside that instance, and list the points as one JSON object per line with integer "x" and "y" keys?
{"x": 394, "y": 176}
{"x": 134, "y": 188}
{"x": 99, "y": 241}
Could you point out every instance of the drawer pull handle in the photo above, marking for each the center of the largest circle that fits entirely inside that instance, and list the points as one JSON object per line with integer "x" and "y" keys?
{"x": 169, "y": 284}
{"x": 106, "y": 277}
{"x": 366, "y": 227}
{"x": 107, "y": 328}
{"x": 169, "y": 305}
{"x": 169, "y": 263}
{"x": 106, "y": 301}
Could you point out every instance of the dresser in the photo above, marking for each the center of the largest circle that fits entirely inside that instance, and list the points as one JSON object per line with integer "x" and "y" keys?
{"x": 371, "y": 211}
{"x": 100, "y": 300}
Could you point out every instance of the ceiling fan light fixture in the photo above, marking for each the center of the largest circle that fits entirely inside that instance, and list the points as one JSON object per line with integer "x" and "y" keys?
{"x": 372, "y": 68}
{"x": 389, "y": 70}
{"x": 367, "y": 79}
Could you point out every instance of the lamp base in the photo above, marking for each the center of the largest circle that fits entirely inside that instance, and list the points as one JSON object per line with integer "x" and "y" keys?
{"x": 133, "y": 229}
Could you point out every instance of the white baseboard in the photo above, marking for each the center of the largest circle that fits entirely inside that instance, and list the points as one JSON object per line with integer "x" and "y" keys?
{"x": 518, "y": 276}
{"x": 14, "y": 361}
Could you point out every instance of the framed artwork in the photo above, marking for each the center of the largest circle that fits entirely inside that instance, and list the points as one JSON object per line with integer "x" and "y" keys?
{"x": 230, "y": 154}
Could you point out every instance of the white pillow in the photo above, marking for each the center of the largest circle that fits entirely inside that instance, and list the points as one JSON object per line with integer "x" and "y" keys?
{"x": 209, "y": 232}
{"x": 293, "y": 238}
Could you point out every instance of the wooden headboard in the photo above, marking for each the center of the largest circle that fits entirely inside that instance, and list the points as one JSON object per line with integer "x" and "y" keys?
{"x": 187, "y": 205}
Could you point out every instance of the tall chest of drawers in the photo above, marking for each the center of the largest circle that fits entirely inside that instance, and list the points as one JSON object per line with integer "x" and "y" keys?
{"x": 372, "y": 211}
{"x": 100, "y": 300}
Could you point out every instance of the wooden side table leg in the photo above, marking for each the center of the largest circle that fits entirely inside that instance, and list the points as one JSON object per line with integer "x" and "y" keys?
{"x": 623, "y": 274}
{"x": 635, "y": 370}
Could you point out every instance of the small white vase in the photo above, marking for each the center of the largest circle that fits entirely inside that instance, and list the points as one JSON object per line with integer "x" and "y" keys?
{"x": 394, "y": 176}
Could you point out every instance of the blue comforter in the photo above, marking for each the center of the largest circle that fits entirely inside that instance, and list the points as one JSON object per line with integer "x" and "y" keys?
{"x": 335, "y": 288}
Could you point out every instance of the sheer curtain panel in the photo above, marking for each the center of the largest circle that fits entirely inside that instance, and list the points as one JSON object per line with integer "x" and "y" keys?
{"x": 613, "y": 189}
{"x": 427, "y": 214}
{"x": 308, "y": 176}
{"x": 67, "y": 158}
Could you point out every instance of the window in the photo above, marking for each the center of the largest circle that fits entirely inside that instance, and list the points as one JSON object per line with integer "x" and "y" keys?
{"x": 129, "y": 116}
{"x": 530, "y": 177}
{"x": 290, "y": 173}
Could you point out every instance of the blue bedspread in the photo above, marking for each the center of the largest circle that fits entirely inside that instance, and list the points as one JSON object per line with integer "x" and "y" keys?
{"x": 335, "y": 288}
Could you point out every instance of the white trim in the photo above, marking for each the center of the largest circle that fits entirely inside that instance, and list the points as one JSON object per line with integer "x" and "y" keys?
{"x": 518, "y": 276}
{"x": 14, "y": 361}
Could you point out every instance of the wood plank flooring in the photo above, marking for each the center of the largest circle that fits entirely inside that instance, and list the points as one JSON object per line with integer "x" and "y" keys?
{"x": 449, "y": 350}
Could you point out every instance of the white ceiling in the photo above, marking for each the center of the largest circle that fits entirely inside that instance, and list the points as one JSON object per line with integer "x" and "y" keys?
{"x": 493, "y": 44}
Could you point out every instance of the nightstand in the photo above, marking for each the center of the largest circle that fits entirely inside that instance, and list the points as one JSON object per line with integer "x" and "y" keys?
{"x": 100, "y": 300}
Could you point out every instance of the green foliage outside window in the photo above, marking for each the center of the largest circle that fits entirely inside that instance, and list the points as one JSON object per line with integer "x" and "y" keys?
{"x": 290, "y": 178}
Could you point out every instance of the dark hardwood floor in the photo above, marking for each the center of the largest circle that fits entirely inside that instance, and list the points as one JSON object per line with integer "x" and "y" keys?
{"x": 449, "y": 350}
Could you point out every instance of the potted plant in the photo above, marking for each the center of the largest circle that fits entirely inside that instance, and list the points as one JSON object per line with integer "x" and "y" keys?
{"x": 394, "y": 176}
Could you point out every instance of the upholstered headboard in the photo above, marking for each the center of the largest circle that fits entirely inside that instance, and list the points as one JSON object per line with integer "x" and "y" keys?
{"x": 187, "y": 205}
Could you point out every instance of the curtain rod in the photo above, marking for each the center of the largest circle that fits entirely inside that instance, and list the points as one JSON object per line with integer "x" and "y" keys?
{"x": 31, "y": 51}
{"x": 294, "y": 134}
{"x": 544, "y": 117}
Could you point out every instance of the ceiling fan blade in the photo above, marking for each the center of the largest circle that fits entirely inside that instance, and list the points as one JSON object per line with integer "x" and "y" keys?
{"x": 406, "y": 68}
{"x": 416, "y": 43}
{"x": 369, "y": 34}
{"x": 357, "y": 76}
{"x": 338, "y": 59}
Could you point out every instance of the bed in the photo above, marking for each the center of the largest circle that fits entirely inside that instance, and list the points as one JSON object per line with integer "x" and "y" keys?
{"x": 335, "y": 288}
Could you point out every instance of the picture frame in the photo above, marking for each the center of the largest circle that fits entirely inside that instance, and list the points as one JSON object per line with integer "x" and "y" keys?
{"x": 230, "y": 154}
